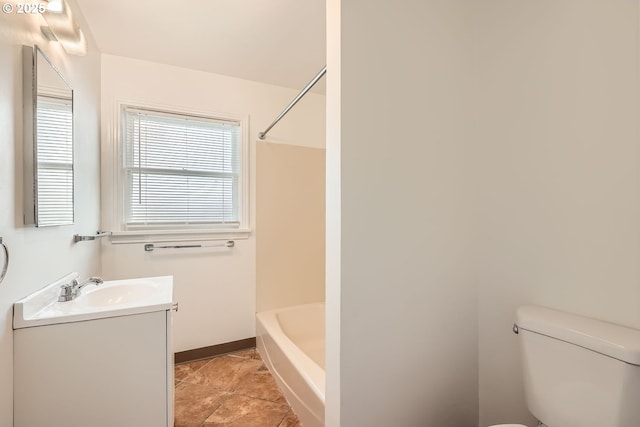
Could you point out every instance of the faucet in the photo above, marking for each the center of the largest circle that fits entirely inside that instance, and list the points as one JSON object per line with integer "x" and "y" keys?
{"x": 70, "y": 291}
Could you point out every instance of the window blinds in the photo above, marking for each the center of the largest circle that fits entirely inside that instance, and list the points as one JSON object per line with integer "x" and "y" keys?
{"x": 55, "y": 161}
{"x": 181, "y": 170}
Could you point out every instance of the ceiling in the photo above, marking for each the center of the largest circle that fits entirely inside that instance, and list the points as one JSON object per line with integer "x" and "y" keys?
{"x": 280, "y": 42}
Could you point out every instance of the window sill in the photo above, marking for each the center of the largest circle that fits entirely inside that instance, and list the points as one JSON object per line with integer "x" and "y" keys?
{"x": 161, "y": 236}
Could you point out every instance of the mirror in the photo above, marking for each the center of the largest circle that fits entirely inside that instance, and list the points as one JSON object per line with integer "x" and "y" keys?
{"x": 48, "y": 142}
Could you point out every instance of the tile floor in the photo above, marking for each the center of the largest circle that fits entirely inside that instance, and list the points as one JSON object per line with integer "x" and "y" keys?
{"x": 232, "y": 390}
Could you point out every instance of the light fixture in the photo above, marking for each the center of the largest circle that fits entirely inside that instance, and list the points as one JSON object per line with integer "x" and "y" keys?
{"x": 55, "y": 6}
{"x": 62, "y": 27}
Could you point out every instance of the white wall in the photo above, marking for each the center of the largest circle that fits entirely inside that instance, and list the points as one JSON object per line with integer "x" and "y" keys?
{"x": 557, "y": 190}
{"x": 39, "y": 256}
{"x": 215, "y": 288}
{"x": 405, "y": 350}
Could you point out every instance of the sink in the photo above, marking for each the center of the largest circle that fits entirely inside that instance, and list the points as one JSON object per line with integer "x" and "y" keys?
{"x": 115, "y": 294}
{"x": 112, "y": 298}
{"x": 72, "y": 358}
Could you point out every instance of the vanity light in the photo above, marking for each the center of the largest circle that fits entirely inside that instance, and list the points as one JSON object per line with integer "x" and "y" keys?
{"x": 64, "y": 28}
{"x": 55, "y": 6}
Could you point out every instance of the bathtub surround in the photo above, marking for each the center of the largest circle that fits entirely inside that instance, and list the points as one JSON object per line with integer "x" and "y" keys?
{"x": 41, "y": 255}
{"x": 290, "y": 225}
{"x": 497, "y": 166}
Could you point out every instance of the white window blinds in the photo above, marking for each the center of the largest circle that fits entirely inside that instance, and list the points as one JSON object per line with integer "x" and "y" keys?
{"x": 55, "y": 161}
{"x": 181, "y": 170}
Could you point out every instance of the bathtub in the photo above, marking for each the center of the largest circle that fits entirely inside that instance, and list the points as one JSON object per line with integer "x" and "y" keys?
{"x": 291, "y": 343}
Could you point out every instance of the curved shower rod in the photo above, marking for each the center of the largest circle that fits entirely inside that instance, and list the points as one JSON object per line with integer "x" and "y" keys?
{"x": 303, "y": 92}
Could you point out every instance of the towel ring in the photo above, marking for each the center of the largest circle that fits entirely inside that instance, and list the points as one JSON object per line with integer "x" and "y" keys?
{"x": 6, "y": 260}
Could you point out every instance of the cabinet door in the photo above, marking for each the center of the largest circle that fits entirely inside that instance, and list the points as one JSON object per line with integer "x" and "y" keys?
{"x": 98, "y": 373}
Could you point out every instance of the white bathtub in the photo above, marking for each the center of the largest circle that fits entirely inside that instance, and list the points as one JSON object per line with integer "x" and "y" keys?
{"x": 291, "y": 343}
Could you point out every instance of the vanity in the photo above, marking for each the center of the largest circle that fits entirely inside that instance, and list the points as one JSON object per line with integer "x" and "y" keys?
{"x": 103, "y": 359}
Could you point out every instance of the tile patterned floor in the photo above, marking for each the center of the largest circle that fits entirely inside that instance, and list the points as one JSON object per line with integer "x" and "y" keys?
{"x": 232, "y": 390}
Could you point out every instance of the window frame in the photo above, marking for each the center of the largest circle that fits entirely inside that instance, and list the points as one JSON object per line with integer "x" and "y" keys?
{"x": 121, "y": 232}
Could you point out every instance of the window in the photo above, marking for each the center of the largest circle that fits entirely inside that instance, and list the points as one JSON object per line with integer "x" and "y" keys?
{"x": 54, "y": 156}
{"x": 181, "y": 171}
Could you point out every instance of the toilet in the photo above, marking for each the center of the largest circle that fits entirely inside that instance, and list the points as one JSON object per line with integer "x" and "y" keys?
{"x": 578, "y": 372}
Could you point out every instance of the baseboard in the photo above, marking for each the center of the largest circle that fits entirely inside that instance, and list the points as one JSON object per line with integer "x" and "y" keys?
{"x": 213, "y": 350}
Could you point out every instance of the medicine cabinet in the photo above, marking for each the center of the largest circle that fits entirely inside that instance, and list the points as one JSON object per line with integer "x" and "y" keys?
{"x": 48, "y": 142}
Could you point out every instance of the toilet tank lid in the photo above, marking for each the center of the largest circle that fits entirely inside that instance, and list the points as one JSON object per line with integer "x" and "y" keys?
{"x": 619, "y": 342}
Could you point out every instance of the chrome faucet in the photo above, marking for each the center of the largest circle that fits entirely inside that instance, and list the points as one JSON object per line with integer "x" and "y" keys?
{"x": 70, "y": 291}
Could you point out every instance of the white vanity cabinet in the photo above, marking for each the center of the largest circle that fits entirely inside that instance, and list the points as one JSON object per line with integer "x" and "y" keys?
{"x": 114, "y": 371}
{"x": 106, "y": 372}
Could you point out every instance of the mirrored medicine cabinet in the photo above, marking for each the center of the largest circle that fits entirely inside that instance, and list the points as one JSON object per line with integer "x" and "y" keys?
{"x": 48, "y": 142}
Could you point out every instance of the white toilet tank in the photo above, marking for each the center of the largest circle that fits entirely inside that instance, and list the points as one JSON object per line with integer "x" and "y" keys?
{"x": 579, "y": 372}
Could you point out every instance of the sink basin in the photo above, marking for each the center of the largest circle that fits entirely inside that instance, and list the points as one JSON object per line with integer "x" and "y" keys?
{"x": 110, "y": 299}
{"x": 115, "y": 294}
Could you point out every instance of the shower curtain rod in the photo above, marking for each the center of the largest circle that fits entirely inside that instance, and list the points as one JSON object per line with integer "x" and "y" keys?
{"x": 263, "y": 135}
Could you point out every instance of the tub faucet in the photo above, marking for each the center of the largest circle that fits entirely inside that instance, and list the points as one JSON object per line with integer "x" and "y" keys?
{"x": 70, "y": 291}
